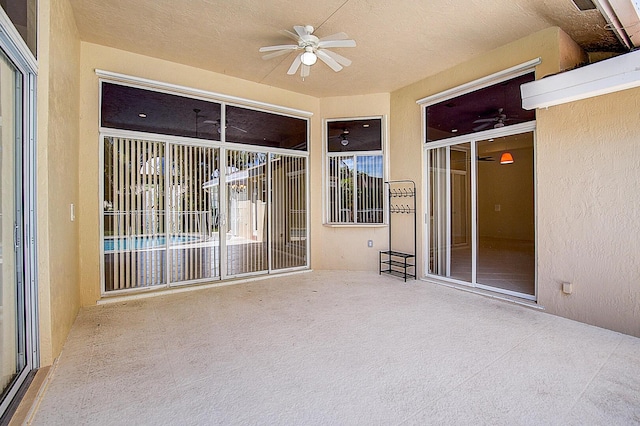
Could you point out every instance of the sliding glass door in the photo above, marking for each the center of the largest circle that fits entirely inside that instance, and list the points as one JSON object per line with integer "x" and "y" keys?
{"x": 180, "y": 213}
{"x": 481, "y": 229}
{"x": 18, "y": 353}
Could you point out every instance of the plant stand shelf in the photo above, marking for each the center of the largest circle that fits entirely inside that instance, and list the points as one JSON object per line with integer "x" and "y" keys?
{"x": 397, "y": 263}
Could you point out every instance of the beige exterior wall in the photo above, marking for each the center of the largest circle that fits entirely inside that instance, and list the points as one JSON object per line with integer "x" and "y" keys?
{"x": 345, "y": 247}
{"x": 104, "y": 58}
{"x": 588, "y": 208}
{"x": 586, "y": 152}
{"x": 587, "y": 205}
{"x": 406, "y": 119}
{"x": 57, "y": 161}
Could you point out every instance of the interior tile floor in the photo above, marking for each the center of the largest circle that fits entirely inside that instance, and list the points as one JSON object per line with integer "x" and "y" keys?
{"x": 338, "y": 348}
{"x": 502, "y": 264}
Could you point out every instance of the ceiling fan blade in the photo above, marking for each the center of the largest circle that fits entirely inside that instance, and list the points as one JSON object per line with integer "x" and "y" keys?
{"x": 336, "y": 36}
{"x": 295, "y": 65}
{"x": 279, "y": 47}
{"x": 304, "y": 72}
{"x": 289, "y": 34}
{"x": 338, "y": 58}
{"x": 300, "y": 30}
{"x": 324, "y": 57}
{"x": 337, "y": 43}
{"x": 485, "y": 120}
{"x": 276, "y": 54}
{"x": 238, "y": 128}
{"x": 481, "y": 127}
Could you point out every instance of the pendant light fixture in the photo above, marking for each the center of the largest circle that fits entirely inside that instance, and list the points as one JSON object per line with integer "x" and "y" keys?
{"x": 506, "y": 158}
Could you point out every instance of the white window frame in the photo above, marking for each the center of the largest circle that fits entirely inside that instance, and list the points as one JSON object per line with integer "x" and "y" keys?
{"x": 354, "y": 154}
{"x": 472, "y": 139}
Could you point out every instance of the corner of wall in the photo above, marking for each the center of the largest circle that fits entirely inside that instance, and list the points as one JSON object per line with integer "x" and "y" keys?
{"x": 57, "y": 148}
{"x": 571, "y": 54}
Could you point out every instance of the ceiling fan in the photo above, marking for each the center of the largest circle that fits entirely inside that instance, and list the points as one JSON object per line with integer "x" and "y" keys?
{"x": 311, "y": 48}
{"x": 343, "y": 136}
{"x": 496, "y": 122}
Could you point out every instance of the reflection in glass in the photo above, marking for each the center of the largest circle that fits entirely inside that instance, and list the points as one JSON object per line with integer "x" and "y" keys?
{"x": 354, "y": 135}
{"x": 132, "y": 108}
{"x": 134, "y": 213}
{"x": 288, "y": 211}
{"x": 493, "y": 107}
{"x": 194, "y": 244}
{"x": 450, "y": 212}
{"x": 246, "y": 231}
{"x": 12, "y": 303}
{"x": 24, "y": 15}
{"x": 252, "y": 127}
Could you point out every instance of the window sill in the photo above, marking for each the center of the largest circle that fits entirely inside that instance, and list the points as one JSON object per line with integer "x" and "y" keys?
{"x": 355, "y": 225}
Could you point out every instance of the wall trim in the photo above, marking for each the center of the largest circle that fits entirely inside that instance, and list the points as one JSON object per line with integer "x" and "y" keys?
{"x": 489, "y": 80}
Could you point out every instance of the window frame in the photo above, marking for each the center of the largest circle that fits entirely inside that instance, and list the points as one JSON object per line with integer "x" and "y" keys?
{"x": 327, "y": 156}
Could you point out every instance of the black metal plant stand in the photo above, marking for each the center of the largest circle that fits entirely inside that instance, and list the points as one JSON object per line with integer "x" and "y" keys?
{"x": 402, "y": 201}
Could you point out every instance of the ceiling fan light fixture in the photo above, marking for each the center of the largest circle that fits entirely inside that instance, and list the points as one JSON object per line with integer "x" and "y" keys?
{"x": 506, "y": 158}
{"x": 344, "y": 141}
{"x": 308, "y": 58}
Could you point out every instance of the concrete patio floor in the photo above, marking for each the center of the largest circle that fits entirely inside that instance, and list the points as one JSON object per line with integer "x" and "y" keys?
{"x": 343, "y": 348}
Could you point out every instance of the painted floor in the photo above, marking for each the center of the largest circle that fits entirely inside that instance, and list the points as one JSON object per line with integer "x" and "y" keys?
{"x": 348, "y": 348}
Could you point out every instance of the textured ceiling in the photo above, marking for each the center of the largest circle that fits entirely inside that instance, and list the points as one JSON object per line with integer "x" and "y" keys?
{"x": 398, "y": 42}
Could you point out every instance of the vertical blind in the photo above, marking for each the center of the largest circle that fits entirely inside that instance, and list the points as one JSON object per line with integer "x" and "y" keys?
{"x": 162, "y": 216}
{"x": 289, "y": 207}
{"x": 134, "y": 215}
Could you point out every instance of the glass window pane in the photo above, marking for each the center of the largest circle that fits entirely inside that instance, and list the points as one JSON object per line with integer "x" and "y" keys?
{"x": 12, "y": 302}
{"x": 341, "y": 186}
{"x": 289, "y": 211}
{"x": 354, "y": 135}
{"x": 246, "y": 232}
{"x": 506, "y": 230}
{"x": 248, "y": 126}
{"x": 132, "y": 108}
{"x": 369, "y": 200}
{"x": 23, "y": 15}
{"x": 134, "y": 213}
{"x": 492, "y": 107}
{"x": 450, "y": 212}
{"x": 194, "y": 244}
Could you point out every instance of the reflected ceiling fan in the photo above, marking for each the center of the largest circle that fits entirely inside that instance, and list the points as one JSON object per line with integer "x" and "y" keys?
{"x": 310, "y": 48}
{"x": 343, "y": 136}
{"x": 496, "y": 122}
{"x": 217, "y": 124}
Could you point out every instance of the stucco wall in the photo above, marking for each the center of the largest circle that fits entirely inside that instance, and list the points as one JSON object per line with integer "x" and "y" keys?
{"x": 345, "y": 247}
{"x": 406, "y": 120}
{"x": 57, "y": 148}
{"x": 587, "y": 161}
{"x": 104, "y": 58}
{"x": 588, "y": 208}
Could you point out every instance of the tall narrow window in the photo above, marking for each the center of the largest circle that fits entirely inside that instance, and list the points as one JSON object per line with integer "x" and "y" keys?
{"x": 355, "y": 172}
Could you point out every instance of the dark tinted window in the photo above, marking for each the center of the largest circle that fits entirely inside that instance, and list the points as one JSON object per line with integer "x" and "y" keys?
{"x": 355, "y": 135}
{"x": 23, "y": 15}
{"x": 261, "y": 128}
{"x": 496, "y": 106}
{"x": 131, "y": 108}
